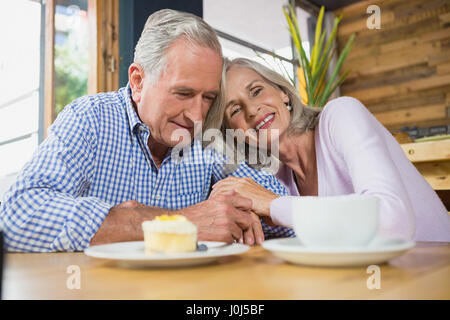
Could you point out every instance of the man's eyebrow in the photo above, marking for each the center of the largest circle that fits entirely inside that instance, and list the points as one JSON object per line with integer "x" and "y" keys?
{"x": 186, "y": 89}
{"x": 183, "y": 89}
{"x": 214, "y": 92}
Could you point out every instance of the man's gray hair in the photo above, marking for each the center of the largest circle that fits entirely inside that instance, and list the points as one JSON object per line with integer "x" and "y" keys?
{"x": 162, "y": 29}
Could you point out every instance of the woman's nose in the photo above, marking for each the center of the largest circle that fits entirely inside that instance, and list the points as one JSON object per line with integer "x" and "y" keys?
{"x": 252, "y": 110}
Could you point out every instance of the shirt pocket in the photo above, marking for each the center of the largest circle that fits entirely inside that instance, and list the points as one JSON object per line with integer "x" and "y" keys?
{"x": 190, "y": 179}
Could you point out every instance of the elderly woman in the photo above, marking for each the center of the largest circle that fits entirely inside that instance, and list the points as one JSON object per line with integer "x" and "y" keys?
{"x": 341, "y": 149}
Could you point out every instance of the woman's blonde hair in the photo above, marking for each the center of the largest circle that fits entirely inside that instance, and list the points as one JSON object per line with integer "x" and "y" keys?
{"x": 303, "y": 118}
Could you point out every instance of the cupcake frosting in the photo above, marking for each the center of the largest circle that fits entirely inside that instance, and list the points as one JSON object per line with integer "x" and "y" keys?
{"x": 170, "y": 224}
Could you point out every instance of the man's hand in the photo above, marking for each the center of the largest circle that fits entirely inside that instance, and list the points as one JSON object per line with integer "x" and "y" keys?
{"x": 225, "y": 217}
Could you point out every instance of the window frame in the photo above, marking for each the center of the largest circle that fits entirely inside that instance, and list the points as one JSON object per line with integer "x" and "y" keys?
{"x": 103, "y": 19}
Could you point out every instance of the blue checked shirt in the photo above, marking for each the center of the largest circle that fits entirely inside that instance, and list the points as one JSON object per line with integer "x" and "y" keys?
{"x": 95, "y": 157}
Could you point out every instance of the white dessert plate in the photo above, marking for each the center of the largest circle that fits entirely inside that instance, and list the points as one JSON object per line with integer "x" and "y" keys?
{"x": 379, "y": 251}
{"x": 132, "y": 254}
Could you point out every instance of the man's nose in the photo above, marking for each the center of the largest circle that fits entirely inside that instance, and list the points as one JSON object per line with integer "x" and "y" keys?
{"x": 194, "y": 111}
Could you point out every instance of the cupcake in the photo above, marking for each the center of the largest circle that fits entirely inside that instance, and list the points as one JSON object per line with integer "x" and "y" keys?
{"x": 169, "y": 234}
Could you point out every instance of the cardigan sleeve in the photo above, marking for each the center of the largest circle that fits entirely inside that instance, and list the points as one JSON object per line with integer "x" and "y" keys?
{"x": 360, "y": 140}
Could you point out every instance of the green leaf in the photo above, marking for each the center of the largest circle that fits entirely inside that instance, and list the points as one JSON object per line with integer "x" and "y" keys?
{"x": 318, "y": 35}
{"x": 295, "y": 38}
{"x": 294, "y": 20}
{"x": 341, "y": 59}
{"x": 318, "y": 55}
{"x": 333, "y": 33}
{"x": 318, "y": 88}
{"x": 321, "y": 79}
{"x": 295, "y": 32}
{"x": 340, "y": 80}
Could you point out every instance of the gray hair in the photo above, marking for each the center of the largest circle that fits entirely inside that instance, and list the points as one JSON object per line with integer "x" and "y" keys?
{"x": 303, "y": 118}
{"x": 162, "y": 29}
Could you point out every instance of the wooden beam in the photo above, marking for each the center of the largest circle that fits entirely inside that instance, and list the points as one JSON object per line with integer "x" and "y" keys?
{"x": 419, "y": 124}
{"x": 94, "y": 7}
{"x": 423, "y": 113}
{"x": 361, "y": 24}
{"x": 401, "y": 88}
{"x": 427, "y": 151}
{"x": 405, "y": 57}
{"x": 445, "y": 18}
{"x": 437, "y": 174}
{"x": 356, "y": 8}
{"x": 49, "y": 99}
{"x": 443, "y": 68}
{"x": 360, "y": 52}
{"x": 104, "y": 45}
{"x": 431, "y": 96}
{"x": 112, "y": 46}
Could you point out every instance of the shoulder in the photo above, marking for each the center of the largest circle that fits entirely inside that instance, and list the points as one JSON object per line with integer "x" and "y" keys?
{"x": 89, "y": 110}
{"x": 93, "y": 104}
{"x": 345, "y": 121}
{"x": 344, "y": 107}
{"x": 345, "y": 112}
{"x": 82, "y": 117}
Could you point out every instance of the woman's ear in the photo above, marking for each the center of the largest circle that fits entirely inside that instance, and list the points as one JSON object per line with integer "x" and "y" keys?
{"x": 136, "y": 77}
{"x": 284, "y": 96}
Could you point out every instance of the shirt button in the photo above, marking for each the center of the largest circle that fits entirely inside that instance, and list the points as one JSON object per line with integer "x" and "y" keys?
{"x": 158, "y": 197}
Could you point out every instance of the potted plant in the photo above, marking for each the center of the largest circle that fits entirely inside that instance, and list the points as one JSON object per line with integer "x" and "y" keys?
{"x": 314, "y": 87}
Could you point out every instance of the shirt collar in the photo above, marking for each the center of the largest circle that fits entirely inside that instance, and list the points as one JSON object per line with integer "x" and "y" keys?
{"x": 133, "y": 119}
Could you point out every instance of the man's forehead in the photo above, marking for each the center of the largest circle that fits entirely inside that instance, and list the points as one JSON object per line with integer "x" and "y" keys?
{"x": 183, "y": 49}
{"x": 191, "y": 67}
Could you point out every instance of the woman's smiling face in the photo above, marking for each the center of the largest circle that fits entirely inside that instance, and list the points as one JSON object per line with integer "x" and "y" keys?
{"x": 253, "y": 103}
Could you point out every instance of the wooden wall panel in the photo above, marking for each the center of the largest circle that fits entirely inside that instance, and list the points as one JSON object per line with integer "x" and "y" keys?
{"x": 401, "y": 71}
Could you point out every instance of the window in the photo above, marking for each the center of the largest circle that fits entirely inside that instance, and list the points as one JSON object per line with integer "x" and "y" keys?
{"x": 71, "y": 52}
{"x": 52, "y": 52}
{"x": 20, "y": 82}
{"x": 253, "y": 29}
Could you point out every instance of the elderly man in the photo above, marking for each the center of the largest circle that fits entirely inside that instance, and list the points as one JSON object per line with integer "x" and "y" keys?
{"x": 107, "y": 166}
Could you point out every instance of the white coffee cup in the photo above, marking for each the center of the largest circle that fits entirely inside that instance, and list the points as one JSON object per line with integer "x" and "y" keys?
{"x": 336, "y": 221}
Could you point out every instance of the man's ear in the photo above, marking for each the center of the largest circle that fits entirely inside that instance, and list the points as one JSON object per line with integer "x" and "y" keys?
{"x": 136, "y": 78}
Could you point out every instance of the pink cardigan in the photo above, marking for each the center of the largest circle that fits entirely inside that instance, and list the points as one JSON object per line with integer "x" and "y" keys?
{"x": 356, "y": 154}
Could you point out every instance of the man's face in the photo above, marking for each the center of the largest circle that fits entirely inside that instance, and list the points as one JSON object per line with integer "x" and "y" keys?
{"x": 181, "y": 95}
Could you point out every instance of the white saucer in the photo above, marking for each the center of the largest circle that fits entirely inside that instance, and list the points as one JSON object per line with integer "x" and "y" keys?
{"x": 132, "y": 254}
{"x": 380, "y": 250}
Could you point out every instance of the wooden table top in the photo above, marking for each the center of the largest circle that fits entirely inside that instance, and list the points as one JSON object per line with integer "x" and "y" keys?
{"x": 421, "y": 273}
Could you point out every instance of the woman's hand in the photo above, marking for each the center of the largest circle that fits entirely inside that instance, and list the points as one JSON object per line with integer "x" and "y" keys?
{"x": 248, "y": 188}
